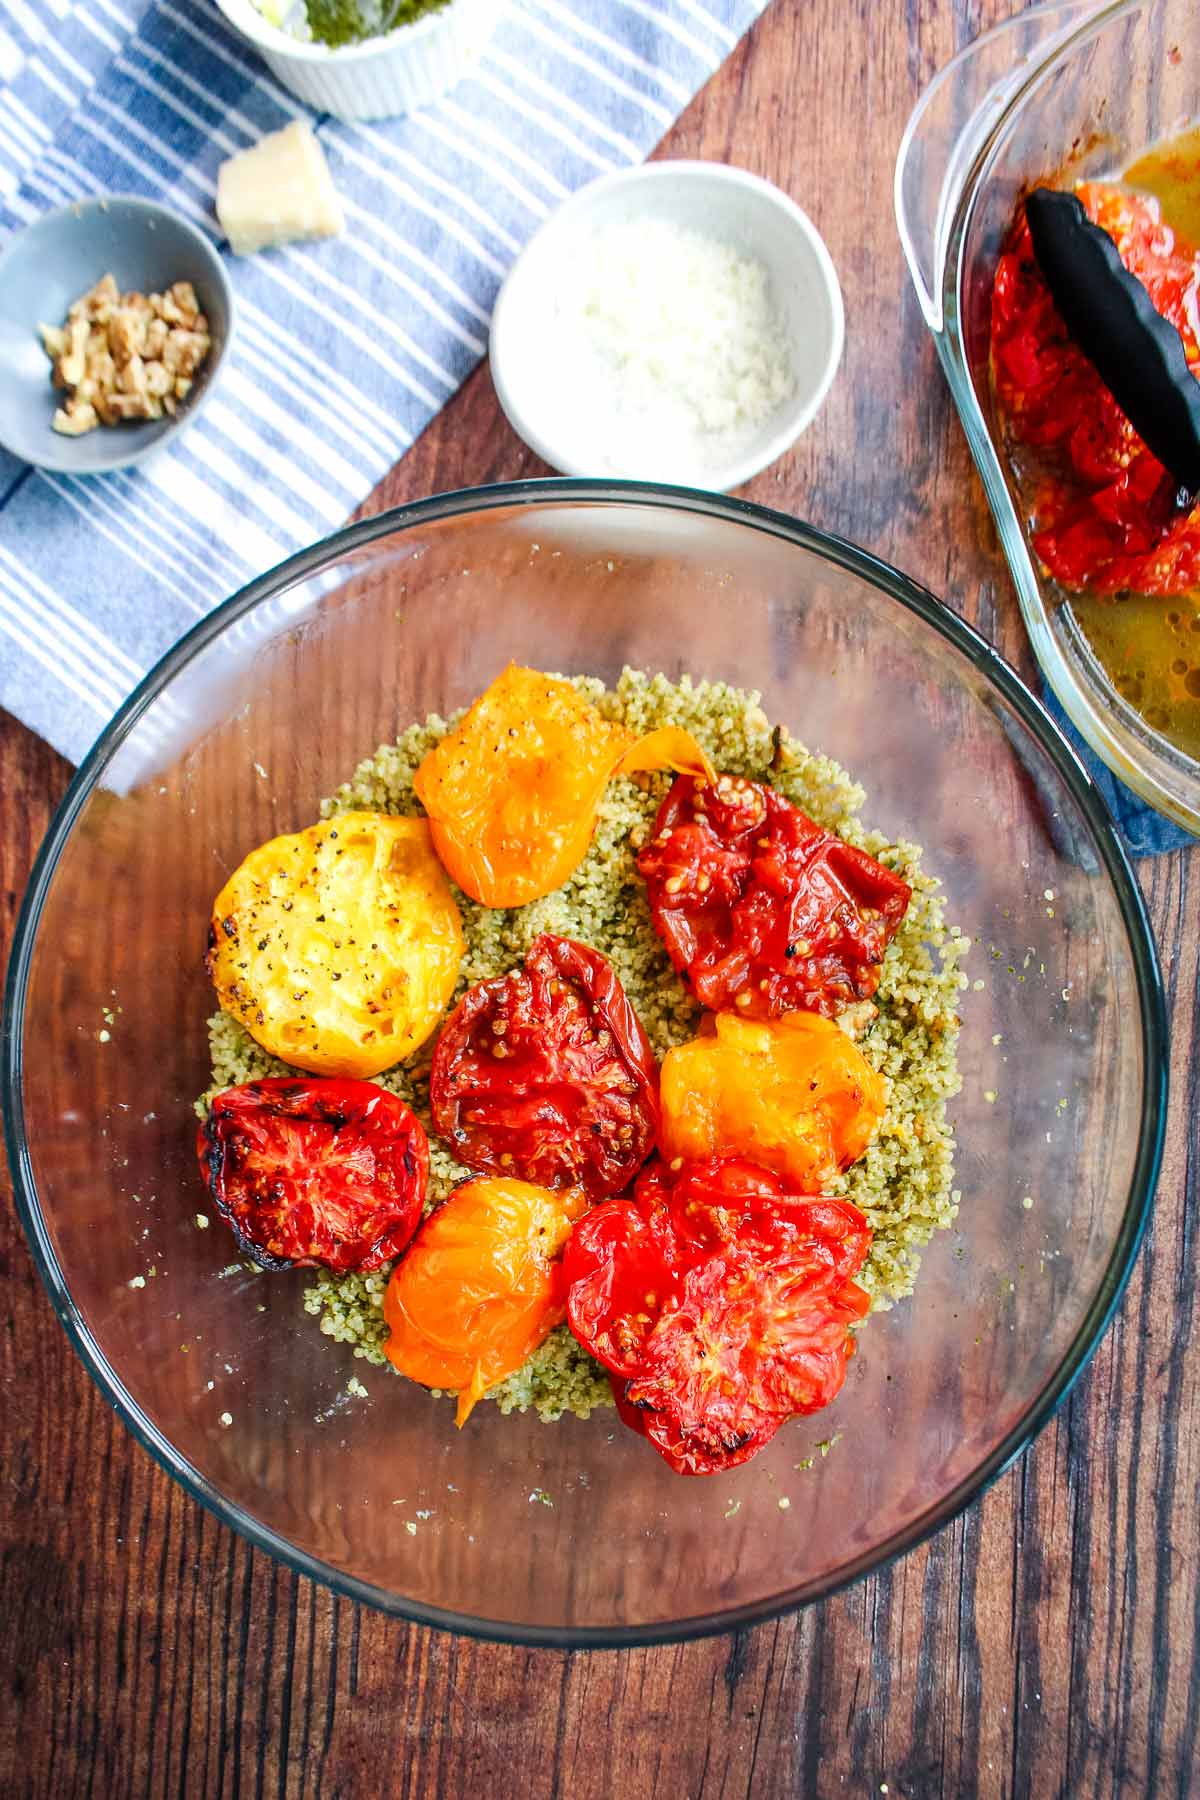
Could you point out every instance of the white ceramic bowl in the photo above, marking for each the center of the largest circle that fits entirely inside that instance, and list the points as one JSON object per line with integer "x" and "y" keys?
{"x": 738, "y": 209}
{"x": 408, "y": 68}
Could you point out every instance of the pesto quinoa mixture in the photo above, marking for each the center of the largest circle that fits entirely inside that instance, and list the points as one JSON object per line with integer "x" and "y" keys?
{"x": 908, "y": 1032}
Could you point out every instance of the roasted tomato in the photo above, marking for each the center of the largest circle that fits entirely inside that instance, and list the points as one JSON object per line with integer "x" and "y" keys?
{"x": 546, "y": 1073}
{"x": 1107, "y": 512}
{"x": 792, "y": 1094}
{"x": 512, "y": 791}
{"x": 338, "y": 948}
{"x": 720, "y": 1303}
{"x": 329, "y": 1172}
{"x": 480, "y": 1288}
{"x": 759, "y": 907}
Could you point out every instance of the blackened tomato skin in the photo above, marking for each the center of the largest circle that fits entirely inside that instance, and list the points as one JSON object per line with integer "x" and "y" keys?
{"x": 321, "y": 1172}
{"x": 716, "y": 1456}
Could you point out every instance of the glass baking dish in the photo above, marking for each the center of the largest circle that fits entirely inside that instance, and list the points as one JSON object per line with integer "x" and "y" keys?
{"x": 1064, "y": 91}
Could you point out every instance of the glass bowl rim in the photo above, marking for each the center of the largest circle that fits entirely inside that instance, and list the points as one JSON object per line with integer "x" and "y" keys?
{"x": 1114, "y": 860}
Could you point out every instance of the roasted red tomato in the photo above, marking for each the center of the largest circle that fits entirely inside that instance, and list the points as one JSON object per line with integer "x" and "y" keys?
{"x": 322, "y": 1171}
{"x": 719, "y": 1303}
{"x": 760, "y": 908}
{"x": 1105, "y": 509}
{"x": 546, "y": 1073}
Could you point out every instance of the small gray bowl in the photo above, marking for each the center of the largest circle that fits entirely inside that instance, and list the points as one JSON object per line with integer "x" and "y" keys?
{"x": 49, "y": 265}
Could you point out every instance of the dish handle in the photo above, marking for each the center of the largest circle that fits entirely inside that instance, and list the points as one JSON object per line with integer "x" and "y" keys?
{"x": 952, "y": 121}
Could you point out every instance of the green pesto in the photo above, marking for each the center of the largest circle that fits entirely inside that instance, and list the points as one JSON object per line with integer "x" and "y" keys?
{"x": 339, "y": 22}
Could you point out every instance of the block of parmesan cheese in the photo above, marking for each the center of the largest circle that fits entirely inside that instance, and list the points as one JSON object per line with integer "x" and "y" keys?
{"x": 279, "y": 191}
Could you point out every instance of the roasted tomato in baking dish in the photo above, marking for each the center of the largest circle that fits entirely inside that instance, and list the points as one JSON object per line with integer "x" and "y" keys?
{"x": 762, "y": 909}
{"x": 546, "y": 1073}
{"x": 329, "y": 1172}
{"x": 338, "y": 947}
{"x": 720, "y": 1303}
{"x": 480, "y": 1288}
{"x": 512, "y": 792}
{"x": 793, "y": 1094}
{"x": 1107, "y": 512}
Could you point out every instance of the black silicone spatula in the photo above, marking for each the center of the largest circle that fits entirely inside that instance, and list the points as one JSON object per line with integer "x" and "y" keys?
{"x": 1137, "y": 354}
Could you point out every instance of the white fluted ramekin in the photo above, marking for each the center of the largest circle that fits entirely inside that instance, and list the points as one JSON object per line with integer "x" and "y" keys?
{"x": 406, "y": 69}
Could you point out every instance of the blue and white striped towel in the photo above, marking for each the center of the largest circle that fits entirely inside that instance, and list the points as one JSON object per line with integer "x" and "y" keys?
{"x": 99, "y": 577}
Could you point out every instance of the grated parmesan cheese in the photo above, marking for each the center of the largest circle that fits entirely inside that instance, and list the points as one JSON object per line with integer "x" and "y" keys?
{"x": 671, "y": 351}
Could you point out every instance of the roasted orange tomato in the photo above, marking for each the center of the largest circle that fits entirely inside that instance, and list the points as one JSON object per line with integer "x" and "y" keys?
{"x": 793, "y": 1094}
{"x": 512, "y": 792}
{"x": 338, "y": 947}
{"x": 481, "y": 1286}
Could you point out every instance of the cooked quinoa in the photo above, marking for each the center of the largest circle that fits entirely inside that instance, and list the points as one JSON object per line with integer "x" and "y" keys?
{"x": 908, "y": 1032}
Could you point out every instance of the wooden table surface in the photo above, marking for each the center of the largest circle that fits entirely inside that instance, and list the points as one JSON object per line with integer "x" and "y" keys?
{"x": 1044, "y": 1644}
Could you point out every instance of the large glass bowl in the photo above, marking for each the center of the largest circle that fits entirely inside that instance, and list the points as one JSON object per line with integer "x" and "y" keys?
{"x": 576, "y": 1533}
{"x": 1064, "y": 92}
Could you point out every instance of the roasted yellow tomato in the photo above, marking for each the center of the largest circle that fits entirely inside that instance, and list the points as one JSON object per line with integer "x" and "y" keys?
{"x": 338, "y": 947}
{"x": 793, "y": 1095}
{"x": 480, "y": 1287}
{"x": 512, "y": 791}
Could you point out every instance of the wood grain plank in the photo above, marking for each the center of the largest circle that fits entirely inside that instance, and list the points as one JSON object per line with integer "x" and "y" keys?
{"x": 1044, "y": 1644}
